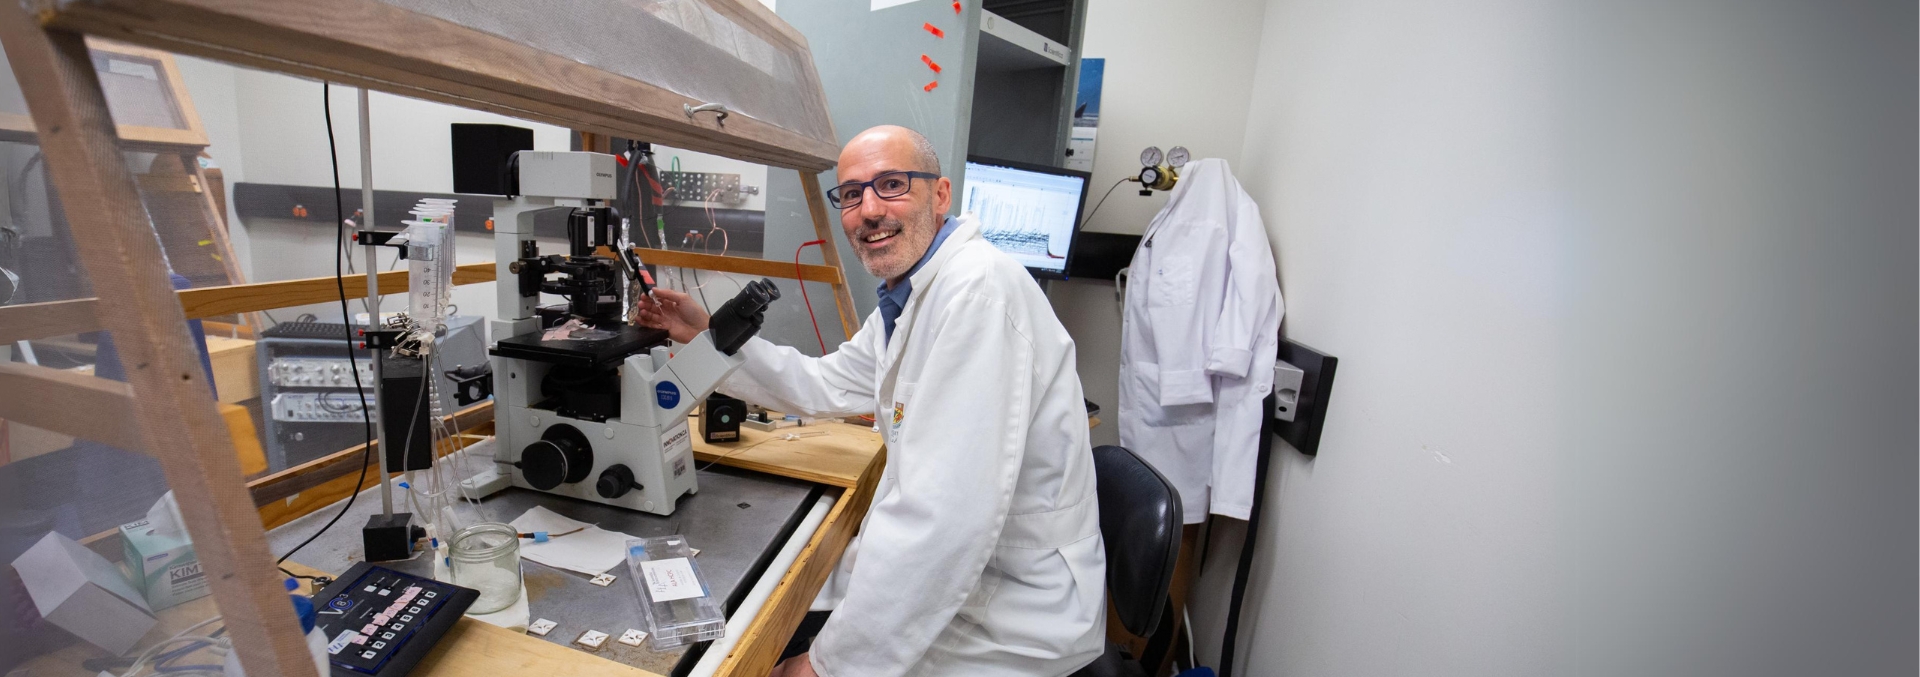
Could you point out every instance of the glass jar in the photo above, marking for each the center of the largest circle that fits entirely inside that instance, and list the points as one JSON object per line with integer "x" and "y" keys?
{"x": 486, "y": 558}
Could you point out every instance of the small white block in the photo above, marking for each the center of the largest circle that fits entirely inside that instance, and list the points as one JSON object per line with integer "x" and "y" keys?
{"x": 602, "y": 580}
{"x": 633, "y": 637}
{"x": 695, "y": 551}
{"x": 541, "y": 627}
{"x": 592, "y": 640}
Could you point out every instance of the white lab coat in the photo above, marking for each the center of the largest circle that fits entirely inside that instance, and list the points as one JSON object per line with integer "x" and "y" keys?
{"x": 1198, "y": 339}
{"x": 981, "y": 551}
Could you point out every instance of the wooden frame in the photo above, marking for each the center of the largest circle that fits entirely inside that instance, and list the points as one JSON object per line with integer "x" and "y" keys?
{"x": 172, "y": 401}
{"x": 191, "y": 139}
{"x": 367, "y": 43}
{"x": 374, "y": 45}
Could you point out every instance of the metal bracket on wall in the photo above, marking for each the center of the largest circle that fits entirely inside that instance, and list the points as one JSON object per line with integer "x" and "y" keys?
{"x": 1302, "y": 383}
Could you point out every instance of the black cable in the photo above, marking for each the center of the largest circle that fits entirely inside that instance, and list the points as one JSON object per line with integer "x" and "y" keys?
{"x": 318, "y": 581}
{"x": 1245, "y": 568}
{"x": 1103, "y": 200}
{"x": 346, "y": 320}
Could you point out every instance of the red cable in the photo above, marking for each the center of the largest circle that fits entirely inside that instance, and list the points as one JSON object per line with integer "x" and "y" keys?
{"x": 802, "y": 281}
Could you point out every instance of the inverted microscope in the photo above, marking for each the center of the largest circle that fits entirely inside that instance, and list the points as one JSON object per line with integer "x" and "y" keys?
{"x": 588, "y": 405}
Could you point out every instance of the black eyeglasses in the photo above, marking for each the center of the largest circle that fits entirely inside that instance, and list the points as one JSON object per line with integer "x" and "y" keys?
{"x": 887, "y": 186}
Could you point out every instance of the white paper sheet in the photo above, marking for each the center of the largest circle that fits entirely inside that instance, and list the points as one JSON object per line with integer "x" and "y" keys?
{"x": 671, "y": 579}
{"x": 592, "y": 551}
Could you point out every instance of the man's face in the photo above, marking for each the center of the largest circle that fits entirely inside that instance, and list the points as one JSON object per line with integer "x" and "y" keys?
{"x": 889, "y": 235}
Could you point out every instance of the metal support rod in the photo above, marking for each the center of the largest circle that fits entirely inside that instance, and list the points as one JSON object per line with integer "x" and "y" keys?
{"x": 373, "y": 292}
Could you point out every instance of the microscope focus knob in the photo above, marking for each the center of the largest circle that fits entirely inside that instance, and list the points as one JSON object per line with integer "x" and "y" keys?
{"x": 615, "y": 482}
{"x": 562, "y": 456}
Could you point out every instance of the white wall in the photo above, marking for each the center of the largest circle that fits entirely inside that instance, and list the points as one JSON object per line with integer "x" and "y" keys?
{"x": 1623, "y": 295}
{"x": 1173, "y": 77}
{"x": 284, "y": 135}
{"x": 1176, "y": 75}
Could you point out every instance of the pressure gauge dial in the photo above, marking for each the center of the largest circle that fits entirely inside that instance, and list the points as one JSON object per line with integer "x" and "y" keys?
{"x": 1150, "y": 156}
{"x": 1177, "y": 157}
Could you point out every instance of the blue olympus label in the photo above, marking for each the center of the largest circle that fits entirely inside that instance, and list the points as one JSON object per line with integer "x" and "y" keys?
{"x": 668, "y": 394}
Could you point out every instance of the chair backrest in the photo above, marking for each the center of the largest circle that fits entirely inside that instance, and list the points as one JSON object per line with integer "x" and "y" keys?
{"x": 1140, "y": 523}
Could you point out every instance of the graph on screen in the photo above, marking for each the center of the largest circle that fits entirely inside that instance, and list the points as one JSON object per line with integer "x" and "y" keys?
{"x": 1029, "y": 214}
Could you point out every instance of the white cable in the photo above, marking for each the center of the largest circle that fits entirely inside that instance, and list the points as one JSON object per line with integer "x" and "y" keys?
{"x": 1186, "y": 614}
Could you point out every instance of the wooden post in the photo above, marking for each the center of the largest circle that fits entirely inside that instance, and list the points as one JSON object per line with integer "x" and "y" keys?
{"x": 823, "y": 229}
{"x": 595, "y": 143}
{"x": 172, "y": 401}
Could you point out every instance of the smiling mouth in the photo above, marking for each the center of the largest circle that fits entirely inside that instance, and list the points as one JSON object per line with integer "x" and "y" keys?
{"x": 880, "y": 238}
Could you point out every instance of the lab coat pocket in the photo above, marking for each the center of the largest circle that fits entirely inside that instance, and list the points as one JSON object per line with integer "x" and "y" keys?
{"x": 1176, "y": 279}
{"x": 1144, "y": 380}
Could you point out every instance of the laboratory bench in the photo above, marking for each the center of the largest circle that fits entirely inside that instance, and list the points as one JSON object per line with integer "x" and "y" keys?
{"x": 771, "y": 518}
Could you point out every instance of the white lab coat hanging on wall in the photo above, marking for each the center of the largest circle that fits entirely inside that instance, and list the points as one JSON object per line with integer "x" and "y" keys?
{"x": 1199, "y": 334}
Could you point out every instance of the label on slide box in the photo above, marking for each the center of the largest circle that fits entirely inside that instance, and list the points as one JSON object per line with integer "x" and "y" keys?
{"x": 671, "y": 579}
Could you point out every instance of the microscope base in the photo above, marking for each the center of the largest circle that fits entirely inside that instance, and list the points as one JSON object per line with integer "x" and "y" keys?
{"x": 658, "y": 459}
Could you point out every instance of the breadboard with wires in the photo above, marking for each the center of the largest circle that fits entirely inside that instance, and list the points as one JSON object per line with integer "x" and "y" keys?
{"x": 703, "y": 187}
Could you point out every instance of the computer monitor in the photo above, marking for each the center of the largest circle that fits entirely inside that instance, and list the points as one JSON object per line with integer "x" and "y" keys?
{"x": 1031, "y": 212}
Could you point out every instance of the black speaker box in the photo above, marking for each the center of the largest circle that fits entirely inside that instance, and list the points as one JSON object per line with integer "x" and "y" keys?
{"x": 480, "y": 155}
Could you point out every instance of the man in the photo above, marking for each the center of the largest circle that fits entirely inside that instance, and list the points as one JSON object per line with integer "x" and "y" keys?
{"x": 981, "y": 552}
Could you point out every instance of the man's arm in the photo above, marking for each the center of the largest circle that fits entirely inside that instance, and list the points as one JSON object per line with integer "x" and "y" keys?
{"x": 781, "y": 378}
{"x": 777, "y": 377}
{"x": 924, "y": 546}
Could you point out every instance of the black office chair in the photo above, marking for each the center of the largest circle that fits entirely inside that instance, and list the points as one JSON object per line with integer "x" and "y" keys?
{"x": 1140, "y": 522}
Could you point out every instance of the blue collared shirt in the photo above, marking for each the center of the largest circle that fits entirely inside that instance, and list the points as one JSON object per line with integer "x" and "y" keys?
{"x": 895, "y": 299}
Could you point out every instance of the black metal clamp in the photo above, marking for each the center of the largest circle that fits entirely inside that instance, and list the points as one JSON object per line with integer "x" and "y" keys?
{"x": 380, "y": 339}
{"x": 379, "y": 238}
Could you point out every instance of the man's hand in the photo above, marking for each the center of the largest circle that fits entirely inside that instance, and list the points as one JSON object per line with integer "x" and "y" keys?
{"x": 797, "y": 666}
{"x": 673, "y": 311}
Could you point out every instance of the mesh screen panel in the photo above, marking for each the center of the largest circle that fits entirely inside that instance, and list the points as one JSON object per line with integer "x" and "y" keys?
{"x": 685, "y": 46}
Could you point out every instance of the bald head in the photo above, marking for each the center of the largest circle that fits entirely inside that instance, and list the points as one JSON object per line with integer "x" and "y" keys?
{"x": 910, "y": 149}
{"x": 890, "y": 216}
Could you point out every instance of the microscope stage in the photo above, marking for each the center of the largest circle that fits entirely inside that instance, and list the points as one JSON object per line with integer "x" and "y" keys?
{"x": 592, "y": 354}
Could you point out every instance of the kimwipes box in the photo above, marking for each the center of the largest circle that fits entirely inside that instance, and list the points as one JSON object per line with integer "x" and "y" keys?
{"x": 80, "y": 591}
{"x": 160, "y": 558}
